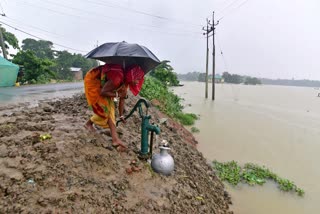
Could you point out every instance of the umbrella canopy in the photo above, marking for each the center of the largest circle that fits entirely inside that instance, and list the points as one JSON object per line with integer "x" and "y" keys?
{"x": 125, "y": 53}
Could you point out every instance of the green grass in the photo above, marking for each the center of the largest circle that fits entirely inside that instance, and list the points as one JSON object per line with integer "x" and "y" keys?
{"x": 194, "y": 129}
{"x": 252, "y": 174}
{"x": 170, "y": 103}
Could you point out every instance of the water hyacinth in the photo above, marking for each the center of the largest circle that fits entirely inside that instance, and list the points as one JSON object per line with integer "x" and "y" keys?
{"x": 252, "y": 174}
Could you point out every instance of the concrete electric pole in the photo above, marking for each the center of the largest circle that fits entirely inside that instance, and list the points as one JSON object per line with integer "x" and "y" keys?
{"x": 213, "y": 56}
{"x": 207, "y": 32}
{"x": 207, "y": 57}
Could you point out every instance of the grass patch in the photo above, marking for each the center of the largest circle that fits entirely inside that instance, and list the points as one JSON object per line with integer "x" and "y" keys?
{"x": 195, "y": 130}
{"x": 170, "y": 103}
{"x": 252, "y": 174}
{"x": 187, "y": 119}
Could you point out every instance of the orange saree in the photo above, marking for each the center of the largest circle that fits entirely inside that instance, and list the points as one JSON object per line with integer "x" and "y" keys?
{"x": 103, "y": 107}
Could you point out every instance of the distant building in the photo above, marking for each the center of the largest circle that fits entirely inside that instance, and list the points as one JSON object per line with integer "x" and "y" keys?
{"x": 77, "y": 73}
{"x": 218, "y": 78}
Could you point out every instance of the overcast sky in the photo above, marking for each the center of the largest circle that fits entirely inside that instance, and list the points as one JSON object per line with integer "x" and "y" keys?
{"x": 262, "y": 38}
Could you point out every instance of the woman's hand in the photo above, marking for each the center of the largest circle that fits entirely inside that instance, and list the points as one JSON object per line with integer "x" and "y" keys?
{"x": 122, "y": 92}
{"x": 122, "y": 119}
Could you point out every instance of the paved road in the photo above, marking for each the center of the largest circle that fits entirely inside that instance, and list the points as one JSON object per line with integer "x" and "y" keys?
{"x": 34, "y": 93}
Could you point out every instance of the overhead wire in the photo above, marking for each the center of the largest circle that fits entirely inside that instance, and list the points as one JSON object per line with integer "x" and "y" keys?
{"x": 86, "y": 17}
{"x": 32, "y": 26}
{"x": 221, "y": 53}
{"x": 229, "y": 5}
{"x": 100, "y": 15}
{"x": 142, "y": 12}
{"x": 235, "y": 92}
{"x": 239, "y": 6}
{"x": 37, "y": 37}
{"x": 1, "y": 8}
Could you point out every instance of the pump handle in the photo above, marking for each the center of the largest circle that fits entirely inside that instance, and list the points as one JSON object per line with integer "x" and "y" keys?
{"x": 137, "y": 105}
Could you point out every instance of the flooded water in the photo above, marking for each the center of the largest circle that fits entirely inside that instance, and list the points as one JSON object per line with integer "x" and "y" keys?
{"x": 33, "y": 93}
{"x": 275, "y": 126}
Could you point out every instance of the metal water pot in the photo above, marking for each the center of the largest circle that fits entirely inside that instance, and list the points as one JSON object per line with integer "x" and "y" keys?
{"x": 163, "y": 163}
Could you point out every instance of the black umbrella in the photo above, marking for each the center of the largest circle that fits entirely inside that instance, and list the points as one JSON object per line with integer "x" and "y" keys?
{"x": 125, "y": 53}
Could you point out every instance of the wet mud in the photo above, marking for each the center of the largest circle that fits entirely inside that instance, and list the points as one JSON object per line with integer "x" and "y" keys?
{"x": 77, "y": 171}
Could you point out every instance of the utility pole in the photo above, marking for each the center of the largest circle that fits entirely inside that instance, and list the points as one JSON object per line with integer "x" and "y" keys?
{"x": 207, "y": 31}
{"x": 4, "y": 51}
{"x": 213, "y": 56}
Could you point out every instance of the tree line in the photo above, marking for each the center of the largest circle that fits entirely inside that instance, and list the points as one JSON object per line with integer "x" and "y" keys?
{"x": 41, "y": 62}
{"x": 227, "y": 78}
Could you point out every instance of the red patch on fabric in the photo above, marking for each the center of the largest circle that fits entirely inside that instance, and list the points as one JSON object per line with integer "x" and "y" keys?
{"x": 113, "y": 72}
{"x": 134, "y": 77}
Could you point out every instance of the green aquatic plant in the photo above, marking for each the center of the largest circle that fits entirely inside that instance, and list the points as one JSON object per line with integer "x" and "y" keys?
{"x": 252, "y": 174}
{"x": 229, "y": 171}
{"x": 195, "y": 130}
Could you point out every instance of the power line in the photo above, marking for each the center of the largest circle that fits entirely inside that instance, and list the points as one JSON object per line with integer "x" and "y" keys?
{"x": 37, "y": 37}
{"x": 143, "y": 13}
{"x": 90, "y": 13}
{"x": 239, "y": 6}
{"x": 223, "y": 58}
{"x": 1, "y": 8}
{"x": 32, "y": 26}
{"x": 229, "y": 5}
{"x": 224, "y": 8}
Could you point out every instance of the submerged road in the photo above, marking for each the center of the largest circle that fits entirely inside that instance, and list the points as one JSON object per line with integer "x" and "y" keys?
{"x": 33, "y": 93}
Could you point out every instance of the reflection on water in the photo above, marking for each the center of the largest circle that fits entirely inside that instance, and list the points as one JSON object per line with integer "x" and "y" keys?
{"x": 275, "y": 126}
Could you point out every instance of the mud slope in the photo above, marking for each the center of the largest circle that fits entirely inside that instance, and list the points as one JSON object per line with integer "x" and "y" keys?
{"x": 77, "y": 171}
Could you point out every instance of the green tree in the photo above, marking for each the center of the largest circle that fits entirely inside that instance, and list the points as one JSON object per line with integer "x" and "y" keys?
{"x": 83, "y": 63}
{"x": 42, "y": 49}
{"x": 232, "y": 78}
{"x": 190, "y": 76}
{"x": 202, "y": 77}
{"x": 9, "y": 40}
{"x": 63, "y": 62}
{"x": 36, "y": 70}
{"x": 252, "y": 81}
{"x": 164, "y": 73}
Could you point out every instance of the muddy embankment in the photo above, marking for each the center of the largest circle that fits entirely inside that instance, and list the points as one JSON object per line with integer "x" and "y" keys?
{"x": 76, "y": 171}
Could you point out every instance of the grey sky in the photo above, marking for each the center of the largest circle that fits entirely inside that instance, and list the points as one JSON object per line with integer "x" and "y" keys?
{"x": 263, "y": 38}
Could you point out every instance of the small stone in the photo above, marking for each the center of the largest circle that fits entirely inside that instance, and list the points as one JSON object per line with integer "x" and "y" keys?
{"x": 193, "y": 185}
{"x": 13, "y": 154}
{"x": 163, "y": 120}
{"x": 129, "y": 170}
{"x": 3, "y": 151}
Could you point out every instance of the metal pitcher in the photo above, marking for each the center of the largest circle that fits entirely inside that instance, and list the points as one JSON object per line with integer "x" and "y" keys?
{"x": 163, "y": 163}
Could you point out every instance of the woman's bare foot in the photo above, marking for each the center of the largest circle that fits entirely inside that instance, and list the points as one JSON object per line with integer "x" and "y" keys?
{"x": 89, "y": 126}
{"x": 121, "y": 149}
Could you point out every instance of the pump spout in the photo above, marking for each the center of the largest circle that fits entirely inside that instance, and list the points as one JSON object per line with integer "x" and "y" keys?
{"x": 153, "y": 128}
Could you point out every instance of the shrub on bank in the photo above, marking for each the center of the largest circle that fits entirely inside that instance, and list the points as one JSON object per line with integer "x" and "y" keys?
{"x": 168, "y": 102}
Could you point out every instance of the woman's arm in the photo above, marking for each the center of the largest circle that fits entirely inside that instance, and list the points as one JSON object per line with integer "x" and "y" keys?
{"x": 121, "y": 107}
{"x": 108, "y": 89}
{"x": 122, "y": 95}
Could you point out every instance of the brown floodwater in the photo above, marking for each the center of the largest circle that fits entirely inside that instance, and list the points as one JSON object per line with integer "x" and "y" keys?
{"x": 274, "y": 126}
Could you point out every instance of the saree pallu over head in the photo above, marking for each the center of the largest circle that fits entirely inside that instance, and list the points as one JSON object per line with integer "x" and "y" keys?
{"x": 134, "y": 78}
